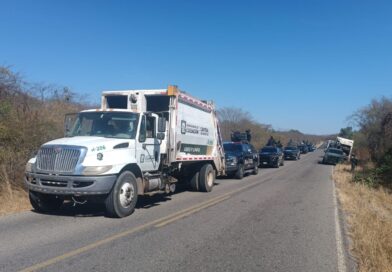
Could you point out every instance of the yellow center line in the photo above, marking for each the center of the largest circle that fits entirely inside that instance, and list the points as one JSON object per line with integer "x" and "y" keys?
{"x": 164, "y": 223}
{"x": 157, "y": 223}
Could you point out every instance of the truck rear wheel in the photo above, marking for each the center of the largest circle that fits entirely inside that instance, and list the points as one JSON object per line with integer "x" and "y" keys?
{"x": 45, "y": 203}
{"x": 121, "y": 201}
{"x": 206, "y": 178}
{"x": 194, "y": 182}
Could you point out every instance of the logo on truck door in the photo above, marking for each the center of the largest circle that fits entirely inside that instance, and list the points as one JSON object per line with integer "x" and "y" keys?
{"x": 193, "y": 129}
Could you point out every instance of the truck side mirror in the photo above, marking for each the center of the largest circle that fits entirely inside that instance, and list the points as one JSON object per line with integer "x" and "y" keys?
{"x": 161, "y": 124}
{"x": 69, "y": 122}
{"x": 143, "y": 130}
{"x": 161, "y": 136}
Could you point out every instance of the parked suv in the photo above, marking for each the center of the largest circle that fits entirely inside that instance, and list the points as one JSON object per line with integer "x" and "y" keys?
{"x": 241, "y": 158}
{"x": 292, "y": 153}
{"x": 271, "y": 156}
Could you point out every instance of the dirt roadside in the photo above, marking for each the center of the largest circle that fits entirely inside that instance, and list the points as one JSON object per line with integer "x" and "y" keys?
{"x": 369, "y": 217}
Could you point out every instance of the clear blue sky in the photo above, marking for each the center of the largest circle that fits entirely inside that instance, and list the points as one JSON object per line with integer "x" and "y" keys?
{"x": 304, "y": 65}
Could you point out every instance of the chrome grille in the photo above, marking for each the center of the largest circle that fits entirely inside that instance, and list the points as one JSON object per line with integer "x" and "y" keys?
{"x": 59, "y": 159}
{"x": 54, "y": 183}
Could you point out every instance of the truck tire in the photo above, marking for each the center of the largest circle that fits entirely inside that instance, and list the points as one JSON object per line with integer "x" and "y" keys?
{"x": 277, "y": 164}
{"x": 194, "y": 182}
{"x": 255, "y": 169}
{"x": 121, "y": 201}
{"x": 240, "y": 172}
{"x": 282, "y": 163}
{"x": 45, "y": 203}
{"x": 206, "y": 178}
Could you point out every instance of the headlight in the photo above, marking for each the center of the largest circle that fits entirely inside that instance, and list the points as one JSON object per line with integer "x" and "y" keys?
{"x": 29, "y": 167}
{"x": 231, "y": 159}
{"x": 96, "y": 170}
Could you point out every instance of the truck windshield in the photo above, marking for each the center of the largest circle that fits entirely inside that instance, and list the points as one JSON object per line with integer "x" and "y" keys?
{"x": 232, "y": 147}
{"x": 106, "y": 124}
{"x": 335, "y": 151}
{"x": 268, "y": 150}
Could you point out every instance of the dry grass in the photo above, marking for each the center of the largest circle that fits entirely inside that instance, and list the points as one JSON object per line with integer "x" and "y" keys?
{"x": 13, "y": 200}
{"x": 369, "y": 213}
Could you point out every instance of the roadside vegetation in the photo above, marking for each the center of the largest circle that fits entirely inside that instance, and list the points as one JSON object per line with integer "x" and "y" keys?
{"x": 366, "y": 192}
{"x": 30, "y": 114}
{"x": 369, "y": 216}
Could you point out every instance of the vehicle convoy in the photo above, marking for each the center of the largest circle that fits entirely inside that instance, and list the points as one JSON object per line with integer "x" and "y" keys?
{"x": 271, "y": 156}
{"x": 333, "y": 156}
{"x": 241, "y": 157}
{"x": 292, "y": 153}
{"x": 139, "y": 142}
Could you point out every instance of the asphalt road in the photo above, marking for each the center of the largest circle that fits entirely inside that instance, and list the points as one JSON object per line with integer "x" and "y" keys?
{"x": 280, "y": 220}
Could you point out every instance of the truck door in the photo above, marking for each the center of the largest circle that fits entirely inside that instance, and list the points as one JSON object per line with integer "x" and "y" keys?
{"x": 148, "y": 147}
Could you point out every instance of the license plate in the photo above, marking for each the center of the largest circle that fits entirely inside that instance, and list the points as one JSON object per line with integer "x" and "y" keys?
{"x": 264, "y": 162}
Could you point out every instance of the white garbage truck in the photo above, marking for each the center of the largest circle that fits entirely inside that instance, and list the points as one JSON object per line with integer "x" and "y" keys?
{"x": 139, "y": 142}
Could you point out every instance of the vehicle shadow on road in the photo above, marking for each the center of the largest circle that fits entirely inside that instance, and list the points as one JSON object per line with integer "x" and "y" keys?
{"x": 97, "y": 209}
{"x": 86, "y": 210}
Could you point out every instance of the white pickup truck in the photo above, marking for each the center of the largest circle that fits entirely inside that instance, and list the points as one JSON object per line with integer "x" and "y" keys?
{"x": 138, "y": 142}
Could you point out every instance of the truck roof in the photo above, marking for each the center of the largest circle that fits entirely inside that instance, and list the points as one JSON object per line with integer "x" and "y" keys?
{"x": 126, "y": 92}
{"x": 171, "y": 90}
{"x": 107, "y": 110}
{"x": 345, "y": 141}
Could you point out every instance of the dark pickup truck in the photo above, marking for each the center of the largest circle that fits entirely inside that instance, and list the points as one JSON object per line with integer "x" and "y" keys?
{"x": 271, "y": 156}
{"x": 292, "y": 153}
{"x": 240, "y": 159}
{"x": 333, "y": 156}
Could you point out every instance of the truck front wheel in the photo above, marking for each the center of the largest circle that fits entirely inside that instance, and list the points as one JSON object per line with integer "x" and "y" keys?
{"x": 206, "y": 178}
{"x": 240, "y": 172}
{"x": 121, "y": 201}
{"x": 255, "y": 169}
{"x": 45, "y": 203}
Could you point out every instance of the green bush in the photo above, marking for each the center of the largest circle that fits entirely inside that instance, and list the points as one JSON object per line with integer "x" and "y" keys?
{"x": 378, "y": 176}
{"x": 369, "y": 178}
